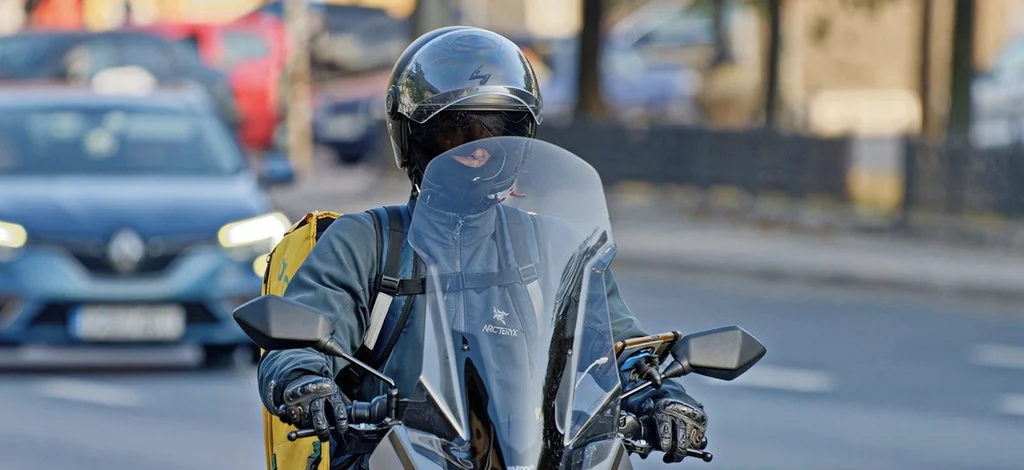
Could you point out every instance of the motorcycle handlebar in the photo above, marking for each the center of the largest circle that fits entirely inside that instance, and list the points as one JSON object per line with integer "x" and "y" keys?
{"x": 640, "y": 431}
{"x": 359, "y": 412}
{"x": 650, "y": 431}
{"x": 376, "y": 411}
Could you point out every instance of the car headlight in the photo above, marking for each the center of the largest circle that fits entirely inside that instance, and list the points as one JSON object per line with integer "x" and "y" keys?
{"x": 12, "y": 235}
{"x": 263, "y": 231}
{"x": 259, "y": 265}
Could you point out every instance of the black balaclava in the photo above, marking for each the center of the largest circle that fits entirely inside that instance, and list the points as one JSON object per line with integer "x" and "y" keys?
{"x": 475, "y": 177}
{"x": 470, "y": 184}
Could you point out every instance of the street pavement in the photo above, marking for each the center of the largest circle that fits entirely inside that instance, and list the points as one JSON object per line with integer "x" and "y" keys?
{"x": 853, "y": 379}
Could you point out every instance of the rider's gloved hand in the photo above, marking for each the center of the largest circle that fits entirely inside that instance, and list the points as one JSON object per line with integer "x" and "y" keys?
{"x": 679, "y": 425}
{"x": 307, "y": 400}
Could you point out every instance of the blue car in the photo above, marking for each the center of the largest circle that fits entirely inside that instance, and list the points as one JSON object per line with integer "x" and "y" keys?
{"x": 128, "y": 220}
{"x": 351, "y": 53}
{"x": 350, "y": 126}
{"x": 634, "y": 87}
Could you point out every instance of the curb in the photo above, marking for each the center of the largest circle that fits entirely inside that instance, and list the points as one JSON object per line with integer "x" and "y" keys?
{"x": 679, "y": 263}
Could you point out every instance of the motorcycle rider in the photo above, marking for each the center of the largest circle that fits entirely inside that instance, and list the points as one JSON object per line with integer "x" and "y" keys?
{"x": 451, "y": 86}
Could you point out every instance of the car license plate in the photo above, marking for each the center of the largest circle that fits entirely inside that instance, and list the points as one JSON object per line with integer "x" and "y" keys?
{"x": 344, "y": 127}
{"x": 129, "y": 322}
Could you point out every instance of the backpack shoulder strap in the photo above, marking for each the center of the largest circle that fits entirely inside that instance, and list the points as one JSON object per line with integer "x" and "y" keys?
{"x": 521, "y": 251}
{"x": 388, "y": 284}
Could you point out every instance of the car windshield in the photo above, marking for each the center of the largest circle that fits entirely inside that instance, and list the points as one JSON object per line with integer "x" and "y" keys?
{"x": 357, "y": 40}
{"x": 555, "y": 60}
{"x": 26, "y": 56}
{"x": 241, "y": 46}
{"x": 114, "y": 141}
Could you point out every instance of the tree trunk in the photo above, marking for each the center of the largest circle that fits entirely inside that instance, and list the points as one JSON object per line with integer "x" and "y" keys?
{"x": 962, "y": 71}
{"x": 771, "y": 99}
{"x": 926, "y": 67}
{"x": 589, "y": 101}
{"x": 429, "y": 15}
{"x": 299, "y": 117}
{"x": 723, "y": 48}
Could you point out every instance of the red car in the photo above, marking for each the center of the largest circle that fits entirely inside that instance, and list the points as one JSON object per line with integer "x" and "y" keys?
{"x": 253, "y": 52}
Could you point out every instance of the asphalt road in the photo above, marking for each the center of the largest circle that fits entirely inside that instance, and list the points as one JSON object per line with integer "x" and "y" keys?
{"x": 852, "y": 379}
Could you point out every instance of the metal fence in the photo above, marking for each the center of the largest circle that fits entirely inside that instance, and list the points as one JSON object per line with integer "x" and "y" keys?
{"x": 958, "y": 180}
{"x": 951, "y": 183}
{"x": 755, "y": 160}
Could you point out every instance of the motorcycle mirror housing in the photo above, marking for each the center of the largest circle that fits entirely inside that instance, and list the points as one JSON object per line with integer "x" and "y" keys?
{"x": 722, "y": 353}
{"x": 275, "y": 323}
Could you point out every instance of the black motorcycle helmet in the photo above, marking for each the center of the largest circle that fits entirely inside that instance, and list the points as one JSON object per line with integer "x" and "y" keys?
{"x": 454, "y": 85}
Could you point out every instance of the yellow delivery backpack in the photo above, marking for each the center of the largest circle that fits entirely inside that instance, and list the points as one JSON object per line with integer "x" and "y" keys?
{"x": 282, "y": 262}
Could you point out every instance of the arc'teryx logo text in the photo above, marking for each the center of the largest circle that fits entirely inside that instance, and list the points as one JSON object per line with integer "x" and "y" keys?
{"x": 501, "y": 330}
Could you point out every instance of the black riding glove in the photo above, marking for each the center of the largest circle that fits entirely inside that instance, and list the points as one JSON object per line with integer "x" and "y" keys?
{"x": 306, "y": 402}
{"x": 679, "y": 425}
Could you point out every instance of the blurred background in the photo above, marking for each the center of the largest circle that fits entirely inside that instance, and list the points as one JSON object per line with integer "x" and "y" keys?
{"x": 842, "y": 178}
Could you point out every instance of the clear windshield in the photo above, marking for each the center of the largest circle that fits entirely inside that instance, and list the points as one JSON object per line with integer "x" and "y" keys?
{"x": 518, "y": 363}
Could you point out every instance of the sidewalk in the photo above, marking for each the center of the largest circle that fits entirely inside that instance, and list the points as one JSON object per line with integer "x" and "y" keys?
{"x": 645, "y": 237}
{"x": 851, "y": 259}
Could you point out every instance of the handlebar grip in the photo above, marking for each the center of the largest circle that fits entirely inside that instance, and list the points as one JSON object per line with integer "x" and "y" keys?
{"x": 649, "y": 430}
{"x": 359, "y": 412}
{"x": 373, "y": 411}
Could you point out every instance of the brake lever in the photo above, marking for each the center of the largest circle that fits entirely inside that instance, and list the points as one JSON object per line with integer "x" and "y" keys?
{"x": 303, "y": 433}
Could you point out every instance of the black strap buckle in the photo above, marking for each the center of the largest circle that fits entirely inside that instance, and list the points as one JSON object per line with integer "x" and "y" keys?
{"x": 389, "y": 285}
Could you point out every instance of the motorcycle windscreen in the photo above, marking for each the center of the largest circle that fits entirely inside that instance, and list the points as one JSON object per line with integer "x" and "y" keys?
{"x": 518, "y": 361}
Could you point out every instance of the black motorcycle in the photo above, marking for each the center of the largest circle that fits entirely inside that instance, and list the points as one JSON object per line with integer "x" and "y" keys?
{"x": 497, "y": 390}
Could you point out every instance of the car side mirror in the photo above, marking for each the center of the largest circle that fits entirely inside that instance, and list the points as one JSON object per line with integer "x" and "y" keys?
{"x": 277, "y": 169}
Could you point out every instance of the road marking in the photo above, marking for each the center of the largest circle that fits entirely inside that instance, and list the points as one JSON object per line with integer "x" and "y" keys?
{"x": 1012, "y": 405}
{"x": 783, "y": 378}
{"x": 89, "y": 392}
{"x": 996, "y": 355}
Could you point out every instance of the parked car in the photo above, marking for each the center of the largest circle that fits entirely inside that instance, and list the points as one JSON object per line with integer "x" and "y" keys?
{"x": 998, "y": 99}
{"x": 128, "y": 217}
{"x": 76, "y": 56}
{"x": 352, "y": 53}
{"x": 635, "y": 88}
{"x": 351, "y": 38}
{"x": 252, "y": 53}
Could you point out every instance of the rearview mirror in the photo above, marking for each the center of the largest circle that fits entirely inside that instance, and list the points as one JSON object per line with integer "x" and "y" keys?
{"x": 277, "y": 169}
{"x": 275, "y": 323}
{"x": 722, "y": 353}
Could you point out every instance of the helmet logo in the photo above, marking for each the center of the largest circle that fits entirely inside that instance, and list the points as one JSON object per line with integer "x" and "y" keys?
{"x": 476, "y": 75}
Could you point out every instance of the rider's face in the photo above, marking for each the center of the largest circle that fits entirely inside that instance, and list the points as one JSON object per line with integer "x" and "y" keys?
{"x": 477, "y": 159}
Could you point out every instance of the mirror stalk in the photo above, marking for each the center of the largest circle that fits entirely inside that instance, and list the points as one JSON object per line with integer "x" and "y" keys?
{"x": 332, "y": 348}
